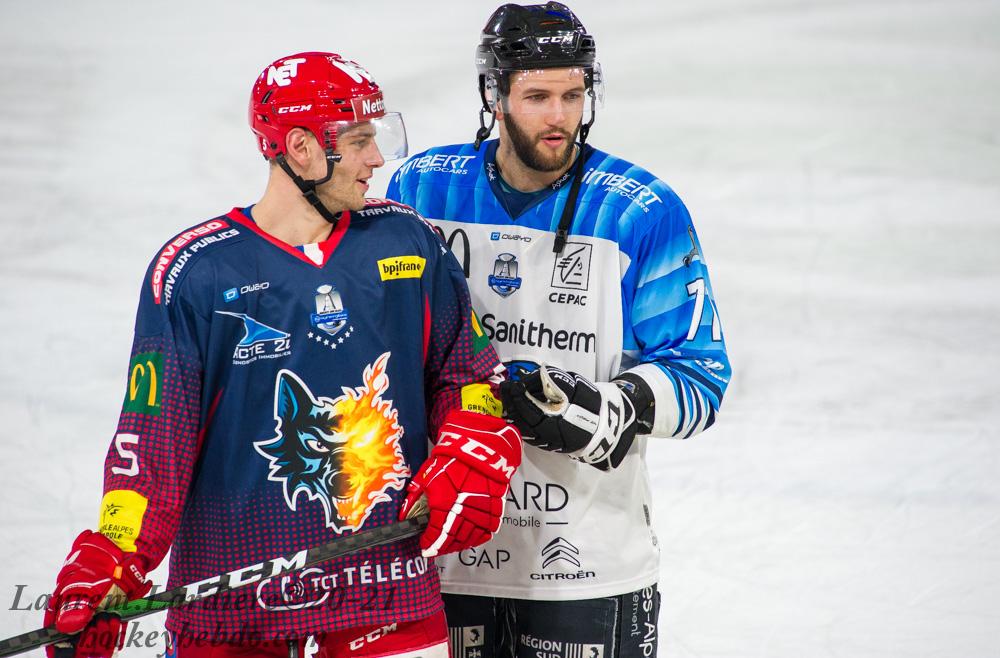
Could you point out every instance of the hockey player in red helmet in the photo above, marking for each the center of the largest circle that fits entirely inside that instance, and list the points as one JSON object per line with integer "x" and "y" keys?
{"x": 291, "y": 360}
{"x": 325, "y": 97}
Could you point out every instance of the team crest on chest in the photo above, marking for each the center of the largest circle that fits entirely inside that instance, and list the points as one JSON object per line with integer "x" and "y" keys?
{"x": 330, "y": 318}
{"x": 504, "y": 281}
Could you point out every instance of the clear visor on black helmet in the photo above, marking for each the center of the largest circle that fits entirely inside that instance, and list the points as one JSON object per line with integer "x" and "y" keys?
{"x": 386, "y": 133}
{"x": 570, "y": 90}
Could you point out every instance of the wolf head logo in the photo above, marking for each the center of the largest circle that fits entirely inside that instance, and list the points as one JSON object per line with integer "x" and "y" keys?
{"x": 343, "y": 452}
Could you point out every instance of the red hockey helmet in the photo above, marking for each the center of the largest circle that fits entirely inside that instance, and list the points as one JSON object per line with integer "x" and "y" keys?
{"x": 324, "y": 93}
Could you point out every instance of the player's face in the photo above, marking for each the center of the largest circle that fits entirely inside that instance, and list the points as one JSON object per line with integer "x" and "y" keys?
{"x": 359, "y": 158}
{"x": 542, "y": 115}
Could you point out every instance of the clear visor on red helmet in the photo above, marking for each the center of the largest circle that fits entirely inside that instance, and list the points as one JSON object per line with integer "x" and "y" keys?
{"x": 386, "y": 133}
{"x": 570, "y": 90}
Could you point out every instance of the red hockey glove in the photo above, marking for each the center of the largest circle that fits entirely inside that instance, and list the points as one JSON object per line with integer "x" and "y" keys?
{"x": 465, "y": 479}
{"x": 96, "y": 572}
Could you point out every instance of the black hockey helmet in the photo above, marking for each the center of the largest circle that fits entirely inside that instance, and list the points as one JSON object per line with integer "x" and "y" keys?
{"x": 530, "y": 37}
{"x": 521, "y": 38}
{"x": 533, "y": 37}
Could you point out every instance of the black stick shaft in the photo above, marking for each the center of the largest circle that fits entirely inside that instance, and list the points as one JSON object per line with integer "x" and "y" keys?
{"x": 228, "y": 582}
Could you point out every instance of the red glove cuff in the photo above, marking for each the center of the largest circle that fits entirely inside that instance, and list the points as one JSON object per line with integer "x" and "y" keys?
{"x": 94, "y": 566}
{"x": 486, "y": 444}
{"x": 96, "y": 553}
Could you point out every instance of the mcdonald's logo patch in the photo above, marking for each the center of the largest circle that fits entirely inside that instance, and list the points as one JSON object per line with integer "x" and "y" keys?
{"x": 480, "y": 340}
{"x": 145, "y": 380}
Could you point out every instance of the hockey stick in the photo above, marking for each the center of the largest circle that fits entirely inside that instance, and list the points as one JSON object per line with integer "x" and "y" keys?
{"x": 235, "y": 579}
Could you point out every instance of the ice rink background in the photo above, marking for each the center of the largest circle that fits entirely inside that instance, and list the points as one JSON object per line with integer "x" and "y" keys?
{"x": 841, "y": 160}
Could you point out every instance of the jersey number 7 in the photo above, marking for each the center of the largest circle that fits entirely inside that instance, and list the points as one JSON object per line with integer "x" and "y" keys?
{"x": 696, "y": 289}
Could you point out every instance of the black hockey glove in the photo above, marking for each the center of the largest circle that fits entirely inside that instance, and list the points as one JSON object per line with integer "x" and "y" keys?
{"x": 561, "y": 411}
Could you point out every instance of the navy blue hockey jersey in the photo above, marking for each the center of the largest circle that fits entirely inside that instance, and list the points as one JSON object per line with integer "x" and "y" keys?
{"x": 279, "y": 398}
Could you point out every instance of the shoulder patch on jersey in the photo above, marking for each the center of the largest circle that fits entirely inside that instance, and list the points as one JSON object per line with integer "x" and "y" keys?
{"x": 452, "y": 159}
{"x": 401, "y": 267}
{"x": 174, "y": 256}
{"x": 645, "y": 192}
{"x": 386, "y": 207}
{"x": 378, "y": 207}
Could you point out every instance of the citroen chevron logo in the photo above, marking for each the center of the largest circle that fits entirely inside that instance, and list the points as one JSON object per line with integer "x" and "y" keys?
{"x": 560, "y": 549}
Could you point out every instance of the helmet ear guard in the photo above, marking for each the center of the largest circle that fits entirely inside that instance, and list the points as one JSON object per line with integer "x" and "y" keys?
{"x": 489, "y": 89}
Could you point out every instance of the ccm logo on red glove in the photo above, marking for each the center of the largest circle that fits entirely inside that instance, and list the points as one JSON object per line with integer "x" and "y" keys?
{"x": 465, "y": 480}
{"x": 478, "y": 451}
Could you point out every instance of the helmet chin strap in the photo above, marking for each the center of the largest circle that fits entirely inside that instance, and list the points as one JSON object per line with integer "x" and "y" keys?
{"x": 308, "y": 187}
{"x": 484, "y": 130}
{"x": 569, "y": 209}
{"x": 487, "y": 109}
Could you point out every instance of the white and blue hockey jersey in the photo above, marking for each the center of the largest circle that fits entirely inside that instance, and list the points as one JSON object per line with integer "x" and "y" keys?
{"x": 629, "y": 291}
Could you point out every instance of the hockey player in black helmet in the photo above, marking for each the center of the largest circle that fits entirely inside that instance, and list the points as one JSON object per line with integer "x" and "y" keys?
{"x": 518, "y": 39}
{"x": 609, "y": 342}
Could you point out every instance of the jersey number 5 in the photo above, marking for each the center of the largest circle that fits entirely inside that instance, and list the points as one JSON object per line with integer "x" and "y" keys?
{"x": 121, "y": 440}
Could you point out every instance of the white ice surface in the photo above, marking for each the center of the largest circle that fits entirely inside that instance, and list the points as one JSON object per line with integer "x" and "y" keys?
{"x": 842, "y": 164}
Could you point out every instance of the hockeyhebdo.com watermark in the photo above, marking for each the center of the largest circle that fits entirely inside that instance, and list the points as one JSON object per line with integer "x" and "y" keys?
{"x": 135, "y": 637}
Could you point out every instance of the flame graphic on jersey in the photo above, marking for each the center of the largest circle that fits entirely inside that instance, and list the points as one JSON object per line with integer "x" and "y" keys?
{"x": 343, "y": 452}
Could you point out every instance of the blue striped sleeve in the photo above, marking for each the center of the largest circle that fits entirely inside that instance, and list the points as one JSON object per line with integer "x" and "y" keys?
{"x": 673, "y": 334}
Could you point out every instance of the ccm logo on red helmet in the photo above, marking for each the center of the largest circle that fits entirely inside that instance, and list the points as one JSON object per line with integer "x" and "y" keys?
{"x": 288, "y": 109}
{"x": 475, "y": 449}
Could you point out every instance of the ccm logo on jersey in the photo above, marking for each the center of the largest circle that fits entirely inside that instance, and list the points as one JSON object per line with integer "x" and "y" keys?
{"x": 478, "y": 451}
{"x": 245, "y": 575}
